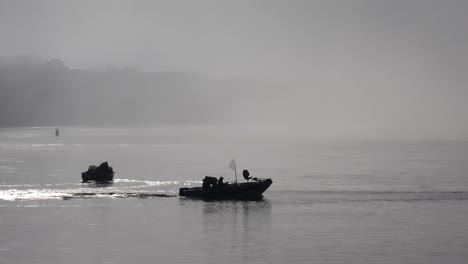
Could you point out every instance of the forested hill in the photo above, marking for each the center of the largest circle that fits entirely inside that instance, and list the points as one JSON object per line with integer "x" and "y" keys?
{"x": 38, "y": 93}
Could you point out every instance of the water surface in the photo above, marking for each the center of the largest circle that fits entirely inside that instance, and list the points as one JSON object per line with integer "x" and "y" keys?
{"x": 331, "y": 202}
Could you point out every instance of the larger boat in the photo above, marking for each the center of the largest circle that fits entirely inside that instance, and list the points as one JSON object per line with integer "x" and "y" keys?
{"x": 246, "y": 190}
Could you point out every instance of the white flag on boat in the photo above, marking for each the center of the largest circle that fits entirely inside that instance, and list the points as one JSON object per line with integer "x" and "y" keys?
{"x": 232, "y": 165}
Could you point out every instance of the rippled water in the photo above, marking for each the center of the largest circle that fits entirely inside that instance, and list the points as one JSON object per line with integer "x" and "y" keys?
{"x": 331, "y": 202}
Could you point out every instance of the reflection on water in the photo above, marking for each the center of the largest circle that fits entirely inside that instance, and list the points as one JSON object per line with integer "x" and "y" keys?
{"x": 233, "y": 229}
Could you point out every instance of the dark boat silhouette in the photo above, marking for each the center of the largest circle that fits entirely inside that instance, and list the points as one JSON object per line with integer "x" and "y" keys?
{"x": 246, "y": 190}
{"x": 101, "y": 174}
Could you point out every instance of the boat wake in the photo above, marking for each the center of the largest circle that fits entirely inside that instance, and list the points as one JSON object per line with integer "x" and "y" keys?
{"x": 84, "y": 195}
{"x": 120, "y": 188}
{"x": 51, "y": 194}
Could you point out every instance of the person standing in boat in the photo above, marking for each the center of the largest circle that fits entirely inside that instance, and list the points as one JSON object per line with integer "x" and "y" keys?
{"x": 57, "y": 132}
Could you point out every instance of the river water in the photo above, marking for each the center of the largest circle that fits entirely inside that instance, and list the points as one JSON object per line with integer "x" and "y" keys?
{"x": 330, "y": 202}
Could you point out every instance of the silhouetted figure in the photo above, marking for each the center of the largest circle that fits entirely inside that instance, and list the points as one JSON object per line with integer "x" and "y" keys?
{"x": 57, "y": 132}
{"x": 220, "y": 181}
{"x": 246, "y": 175}
{"x": 209, "y": 182}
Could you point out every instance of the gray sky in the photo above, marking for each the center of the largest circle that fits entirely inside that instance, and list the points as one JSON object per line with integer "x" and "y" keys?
{"x": 395, "y": 68}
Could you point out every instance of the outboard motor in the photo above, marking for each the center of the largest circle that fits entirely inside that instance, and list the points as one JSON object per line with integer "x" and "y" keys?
{"x": 209, "y": 182}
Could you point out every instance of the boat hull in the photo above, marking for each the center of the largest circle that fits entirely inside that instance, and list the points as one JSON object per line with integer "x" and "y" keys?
{"x": 228, "y": 191}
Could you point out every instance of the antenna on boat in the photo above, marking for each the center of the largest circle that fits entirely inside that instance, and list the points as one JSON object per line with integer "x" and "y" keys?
{"x": 232, "y": 166}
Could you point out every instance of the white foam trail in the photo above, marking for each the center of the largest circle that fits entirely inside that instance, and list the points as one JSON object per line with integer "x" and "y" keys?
{"x": 151, "y": 183}
{"x": 31, "y": 194}
{"x": 121, "y": 188}
{"x": 49, "y": 194}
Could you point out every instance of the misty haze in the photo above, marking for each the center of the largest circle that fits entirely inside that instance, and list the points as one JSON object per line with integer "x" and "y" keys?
{"x": 383, "y": 70}
{"x": 114, "y": 113}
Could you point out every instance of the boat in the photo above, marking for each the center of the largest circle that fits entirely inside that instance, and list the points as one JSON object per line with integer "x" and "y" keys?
{"x": 101, "y": 174}
{"x": 246, "y": 190}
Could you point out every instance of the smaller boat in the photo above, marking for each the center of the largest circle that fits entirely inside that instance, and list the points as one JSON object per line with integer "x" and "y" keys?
{"x": 246, "y": 190}
{"x": 98, "y": 174}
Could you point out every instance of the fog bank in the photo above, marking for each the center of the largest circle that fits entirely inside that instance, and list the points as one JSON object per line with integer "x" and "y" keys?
{"x": 341, "y": 69}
